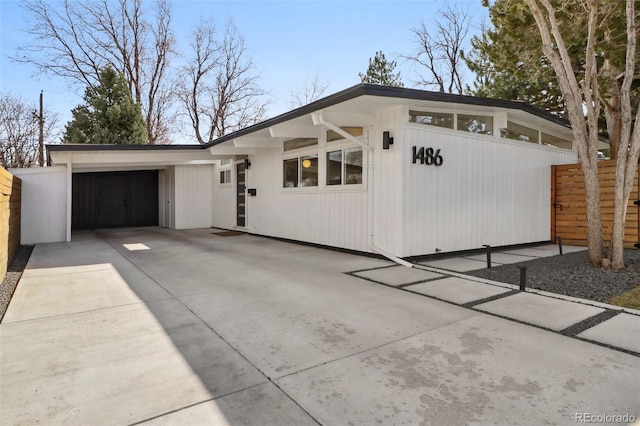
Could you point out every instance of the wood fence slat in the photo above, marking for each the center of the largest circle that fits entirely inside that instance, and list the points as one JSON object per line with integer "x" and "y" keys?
{"x": 568, "y": 204}
{"x": 10, "y": 201}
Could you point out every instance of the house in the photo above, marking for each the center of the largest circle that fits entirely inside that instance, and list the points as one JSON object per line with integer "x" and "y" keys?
{"x": 377, "y": 169}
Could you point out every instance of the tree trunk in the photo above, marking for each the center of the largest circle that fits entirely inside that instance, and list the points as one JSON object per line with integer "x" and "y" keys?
{"x": 625, "y": 176}
{"x": 595, "y": 237}
{"x": 613, "y": 116}
{"x": 616, "y": 253}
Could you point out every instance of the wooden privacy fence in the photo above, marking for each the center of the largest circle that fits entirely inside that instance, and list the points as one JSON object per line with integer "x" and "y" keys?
{"x": 568, "y": 205}
{"x": 10, "y": 196}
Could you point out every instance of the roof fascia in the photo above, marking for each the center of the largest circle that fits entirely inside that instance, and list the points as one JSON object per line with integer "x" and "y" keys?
{"x": 390, "y": 92}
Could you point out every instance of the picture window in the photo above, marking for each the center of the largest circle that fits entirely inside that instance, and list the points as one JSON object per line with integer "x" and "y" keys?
{"x": 300, "y": 171}
{"x": 344, "y": 167}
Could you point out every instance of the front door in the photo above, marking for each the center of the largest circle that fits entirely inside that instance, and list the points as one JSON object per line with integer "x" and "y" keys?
{"x": 241, "y": 198}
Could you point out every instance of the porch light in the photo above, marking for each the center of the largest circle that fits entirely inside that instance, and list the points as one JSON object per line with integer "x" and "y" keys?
{"x": 306, "y": 163}
{"x": 387, "y": 140}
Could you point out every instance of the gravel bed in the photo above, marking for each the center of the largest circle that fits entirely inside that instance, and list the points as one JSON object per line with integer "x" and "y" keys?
{"x": 571, "y": 275}
{"x": 14, "y": 272}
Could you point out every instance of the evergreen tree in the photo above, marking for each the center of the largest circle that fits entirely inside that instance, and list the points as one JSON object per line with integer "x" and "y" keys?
{"x": 507, "y": 60}
{"x": 508, "y": 63}
{"x": 380, "y": 71}
{"x": 109, "y": 115}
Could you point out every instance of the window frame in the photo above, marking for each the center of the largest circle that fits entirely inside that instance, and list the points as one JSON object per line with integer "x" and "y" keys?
{"x": 527, "y": 127}
{"x": 543, "y": 143}
{"x": 299, "y": 171}
{"x": 343, "y": 167}
{"x": 417, "y": 113}
{"x": 285, "y": 151}
{"x": 472, "y": 115}
{"x": 321, "y": 150}
{"x": 223, "y": 169}
{"x": 352, "y": 130}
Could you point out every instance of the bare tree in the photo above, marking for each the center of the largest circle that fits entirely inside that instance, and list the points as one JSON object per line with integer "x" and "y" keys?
{"x": 77, "y": 39}
{"x": 218, "y": 86}
{"x": 439, "y": 51}
{"x": 582, "y": 93}
{"x": 19, "y": 132}
{"x": 310, "y": 90}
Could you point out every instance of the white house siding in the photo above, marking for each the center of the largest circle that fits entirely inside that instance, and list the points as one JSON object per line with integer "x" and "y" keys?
{"x": 330, "y": 217}
{"x": 44, "y": 204}
{"x": 388, "y": 180}
{"x": 488, "y": 191}
{"x": 192, "y": 196}
{"x": 166, "y": 197}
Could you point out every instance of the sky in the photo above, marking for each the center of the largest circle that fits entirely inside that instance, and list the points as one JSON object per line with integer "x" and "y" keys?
{"x": 289, "y": 41}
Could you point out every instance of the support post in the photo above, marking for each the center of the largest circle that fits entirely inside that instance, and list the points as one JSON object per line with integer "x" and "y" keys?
{"x": 41, "y": 135}
{"x": 560, "y": 245}
{"x": 488, "y": 247}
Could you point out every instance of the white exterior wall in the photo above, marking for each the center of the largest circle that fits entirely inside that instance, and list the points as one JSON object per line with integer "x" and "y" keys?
{"x": 488, "y": 191}
{"x": 44, "y": 204}
{"x": 192, "y": 196}
{"x": 166, "y": 197}
{"x": 329, "y": 216}
{"x": 388, "y": 181}
{"x": 223, "y": 201}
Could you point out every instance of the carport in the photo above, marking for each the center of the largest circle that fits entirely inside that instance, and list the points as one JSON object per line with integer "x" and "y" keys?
{"x": 116, "y": 186}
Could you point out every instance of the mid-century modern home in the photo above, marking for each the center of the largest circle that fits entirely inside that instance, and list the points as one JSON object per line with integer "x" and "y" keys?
{"x": 377, "y": 169}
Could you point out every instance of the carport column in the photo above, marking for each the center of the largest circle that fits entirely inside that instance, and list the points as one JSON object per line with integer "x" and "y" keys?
{"x": 69, "y": 180}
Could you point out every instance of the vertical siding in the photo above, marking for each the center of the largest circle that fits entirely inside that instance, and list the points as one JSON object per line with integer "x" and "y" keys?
{"x": 488, "y": 191}
{"x": 44, "y": 204}
{"x": 327, "y": 217}
{"x": 388, "y": 180}
{"x": 167, "y": 181}
{"x": 193, "y": 196}
{"x": 223, "y": 201}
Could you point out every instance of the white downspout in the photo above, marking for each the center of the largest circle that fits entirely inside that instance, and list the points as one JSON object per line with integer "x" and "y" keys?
{"x": 318, "y": 118}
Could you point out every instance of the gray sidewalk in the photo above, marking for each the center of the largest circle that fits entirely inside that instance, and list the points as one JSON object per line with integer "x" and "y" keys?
{"x": 190, "y": 327}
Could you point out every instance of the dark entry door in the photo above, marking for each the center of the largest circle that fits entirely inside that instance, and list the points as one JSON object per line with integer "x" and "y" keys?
{"x": 241, "y": 198}
{"x": 112, "y": 201}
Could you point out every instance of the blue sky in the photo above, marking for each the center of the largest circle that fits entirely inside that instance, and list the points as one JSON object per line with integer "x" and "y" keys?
{"x": 288, "y": 41}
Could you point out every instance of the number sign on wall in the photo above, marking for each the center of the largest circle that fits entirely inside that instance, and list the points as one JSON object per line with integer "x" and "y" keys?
{"x": 427, "y": 156}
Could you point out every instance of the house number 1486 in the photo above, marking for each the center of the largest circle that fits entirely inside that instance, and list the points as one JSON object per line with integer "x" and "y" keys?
{"x": 427, "y": 156}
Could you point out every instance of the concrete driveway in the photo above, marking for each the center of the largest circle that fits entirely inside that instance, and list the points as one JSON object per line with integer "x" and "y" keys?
{"x": 191, "y": 327}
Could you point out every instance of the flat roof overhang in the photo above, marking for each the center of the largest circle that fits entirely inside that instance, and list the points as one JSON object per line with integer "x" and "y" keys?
{"x": 364, "y": 99}
{"x": 126, "y": 157}
{"x": 352, "y": 106}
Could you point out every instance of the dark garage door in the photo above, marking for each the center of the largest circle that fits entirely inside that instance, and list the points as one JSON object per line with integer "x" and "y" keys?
{"x": 114, "y": 199}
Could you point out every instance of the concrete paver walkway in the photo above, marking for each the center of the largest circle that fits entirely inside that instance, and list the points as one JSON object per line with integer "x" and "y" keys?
{"x": 188, "y": 327}
{"x": 535, "y": 307}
